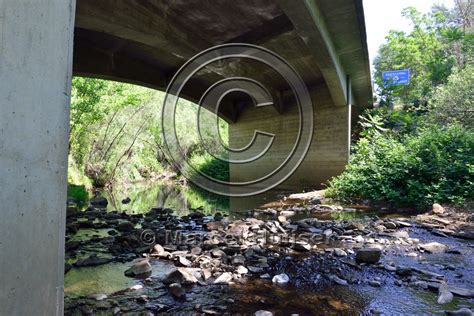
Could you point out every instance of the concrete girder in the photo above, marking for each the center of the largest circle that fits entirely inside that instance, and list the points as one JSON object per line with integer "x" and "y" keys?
{"x": 311, "y": 27}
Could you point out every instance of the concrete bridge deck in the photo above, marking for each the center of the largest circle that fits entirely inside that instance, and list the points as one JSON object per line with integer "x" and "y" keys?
{"x": 42, "y": 43}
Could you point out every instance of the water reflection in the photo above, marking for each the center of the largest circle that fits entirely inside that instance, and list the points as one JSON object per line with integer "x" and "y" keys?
{"x": 165, "y": 194}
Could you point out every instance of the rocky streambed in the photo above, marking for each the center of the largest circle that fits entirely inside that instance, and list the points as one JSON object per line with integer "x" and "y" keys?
{"x": 291, "y": 259}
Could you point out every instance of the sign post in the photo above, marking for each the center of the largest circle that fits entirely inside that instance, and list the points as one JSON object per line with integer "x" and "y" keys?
{"x": 396, "y": 77}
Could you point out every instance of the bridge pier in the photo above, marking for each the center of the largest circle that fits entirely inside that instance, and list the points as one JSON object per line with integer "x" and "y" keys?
{"x": 328, "y": 153}
{"x": 35, "y": 76}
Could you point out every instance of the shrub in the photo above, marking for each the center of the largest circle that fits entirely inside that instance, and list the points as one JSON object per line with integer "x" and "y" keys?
{"x": 211, "y": 166}
{"x": 454, "y": 101}
{"x": 434, "y": 164}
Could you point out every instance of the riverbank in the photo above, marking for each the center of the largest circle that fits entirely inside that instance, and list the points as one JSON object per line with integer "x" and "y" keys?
{"x": 301, "y": 257}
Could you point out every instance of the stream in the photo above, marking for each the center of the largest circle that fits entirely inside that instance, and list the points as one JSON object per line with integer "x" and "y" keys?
{"x": 309, "y": 291}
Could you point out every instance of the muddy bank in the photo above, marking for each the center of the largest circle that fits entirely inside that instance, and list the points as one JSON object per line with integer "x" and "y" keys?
{"x": 286, "y": 259}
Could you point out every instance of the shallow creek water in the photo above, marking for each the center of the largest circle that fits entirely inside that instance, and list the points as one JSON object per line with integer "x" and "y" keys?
{"x": 307, "y": 293}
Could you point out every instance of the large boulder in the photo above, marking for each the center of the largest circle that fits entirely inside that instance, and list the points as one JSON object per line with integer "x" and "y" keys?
{"x": 437, "y": 209}
{"x": 368, "y": 255}
{"x": 181, "y": 275}
{"x": 434, "y": 247}
{"x": 142, "y": 267}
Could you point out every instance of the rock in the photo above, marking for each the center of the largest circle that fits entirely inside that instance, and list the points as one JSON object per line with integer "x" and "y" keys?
{"x": 281, "y": 279}
{"x": 71, "y": 210}
{"x": 238, "y": 260}
{"x": 242, "y": 270}
{"x": 182, "y": 261}
{"x": 390, "y": 268}
{"x": 196, "y": 215}
{"x": 401, "y": 234}
{"x": 434, "y": 247}
{"x": 437, "y": 209}
{"x": 72, "y": 245}
{"x": 339, "y": 252}
{"x": 420, "y": 284}
{"x": 368, "y": 255}
{"x": 125, "y": 226}
{"x": 458, "y": 291}
{"x": 217, "y": 253}
{"x": 126, "y": 200}
{"x": 359, "y": 239}
{"x": 225, "y": 277}
{"x": 98, "y": 297}
{"x": 460, "y": 312}
{"x": 158, "y": 249}
{"x": 338, "y": 280}
{"x": 375, "y": 283}
{"x": 136, "y": 287}
{"x": 196, "y": 251}
{"x": 255, "y": 269}
{"x": 390, "y": 225}
{"x": 180, "y": 275}
{"x": 215, "y": 226}
{"x": 302, "y": 246}
{"x": 287, "y": 213}
{"x": 92, "y": 260}
{"x": 282, "y": 219}
{"x": 270, "y": 211}
{"x": 444, "y": 295}
{"x": 99, "y": 201}
{"x": 177, "y": 290}
{"x": 140, "y": 268}
{"x": 142, "y": 299}
{"x": 206, "y": 274}
{"x": 403, "y": 224}
{"x": 263, "y": 313}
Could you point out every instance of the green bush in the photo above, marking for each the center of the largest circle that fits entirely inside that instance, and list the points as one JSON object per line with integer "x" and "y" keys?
{"x": 454, "y": 101}
{"x": 78, "y": 193}
{"x": 434, "y": 164}
{"x": 211, "y": 166}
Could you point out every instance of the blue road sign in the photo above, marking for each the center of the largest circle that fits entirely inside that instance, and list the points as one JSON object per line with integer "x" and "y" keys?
{"x": 396, "y": 77}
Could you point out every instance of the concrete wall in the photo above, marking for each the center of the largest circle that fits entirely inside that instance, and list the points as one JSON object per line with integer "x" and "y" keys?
{"x": 328, "y": 153}
{"x": 35, "y": 75}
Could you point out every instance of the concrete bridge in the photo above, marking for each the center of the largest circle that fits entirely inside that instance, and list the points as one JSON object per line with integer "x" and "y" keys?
{"x": 42, "y": 43}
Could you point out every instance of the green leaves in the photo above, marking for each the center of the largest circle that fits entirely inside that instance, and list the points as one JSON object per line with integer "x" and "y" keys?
{"x": 437, "y": 43}
{"x": 433, "y": 164}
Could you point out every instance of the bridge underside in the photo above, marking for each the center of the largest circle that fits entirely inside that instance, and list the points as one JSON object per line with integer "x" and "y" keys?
{"x": 146, "y": 42}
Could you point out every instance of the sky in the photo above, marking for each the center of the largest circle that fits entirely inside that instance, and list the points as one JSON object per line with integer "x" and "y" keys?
{"x": 382, "y": 16}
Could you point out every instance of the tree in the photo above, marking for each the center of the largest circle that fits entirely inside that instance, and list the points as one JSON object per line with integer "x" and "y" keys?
{"x": 438, "y": 42}
{"x": 454, "y": 101}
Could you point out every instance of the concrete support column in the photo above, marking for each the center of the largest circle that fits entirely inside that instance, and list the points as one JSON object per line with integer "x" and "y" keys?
{"x": 326, "y": 157}
{"x": 35, "y": 75}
